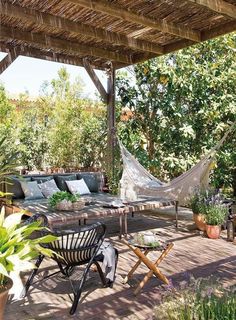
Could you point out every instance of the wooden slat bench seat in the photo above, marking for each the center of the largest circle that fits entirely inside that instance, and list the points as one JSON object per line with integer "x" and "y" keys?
{"x": 98, "y": 207}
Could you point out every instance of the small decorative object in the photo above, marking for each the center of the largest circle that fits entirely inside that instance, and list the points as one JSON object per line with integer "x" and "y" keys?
{"x": 230, "y": 230}
{"x": 146, "y": 238}
{"x": 63, "y": 200}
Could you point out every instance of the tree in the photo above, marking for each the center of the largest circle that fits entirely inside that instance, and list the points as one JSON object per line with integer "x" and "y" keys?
{"x": 182, "y": 103}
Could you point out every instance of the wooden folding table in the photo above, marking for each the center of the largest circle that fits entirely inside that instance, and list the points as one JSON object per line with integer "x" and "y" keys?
{"x": 141, "y": 252}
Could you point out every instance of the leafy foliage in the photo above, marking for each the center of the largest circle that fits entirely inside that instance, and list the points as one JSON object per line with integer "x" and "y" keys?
{"x": 16, "y": 248}
{"x": 215, "y": 214}
{"x": 181, "y": 104}
{"x": 60, "y": 196}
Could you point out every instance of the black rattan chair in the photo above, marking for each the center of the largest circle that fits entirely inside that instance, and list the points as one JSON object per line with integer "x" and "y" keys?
{"x": 74, "y": 247}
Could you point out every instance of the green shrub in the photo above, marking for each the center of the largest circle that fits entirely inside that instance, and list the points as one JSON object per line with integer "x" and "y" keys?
{"x": 200, "y": 301}
{"x": 60, "y": 196}
{"x": 215, "y": 214}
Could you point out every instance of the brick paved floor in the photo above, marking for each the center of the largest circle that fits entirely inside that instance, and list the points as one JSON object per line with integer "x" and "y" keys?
{"x": 192, "y": 254}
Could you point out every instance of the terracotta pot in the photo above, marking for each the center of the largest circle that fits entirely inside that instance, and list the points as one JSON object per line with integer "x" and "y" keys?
{"x": 199, "y": 220}
{"x": 213, "y": 232}
{"x": 3, "y": 296}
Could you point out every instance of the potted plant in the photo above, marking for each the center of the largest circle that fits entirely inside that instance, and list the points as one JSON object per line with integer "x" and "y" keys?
{"x": 64, "y": 200}
{"x": 197, "y": 204}
{"x": 215, "y": 216}
{"x": 17, "y": 250}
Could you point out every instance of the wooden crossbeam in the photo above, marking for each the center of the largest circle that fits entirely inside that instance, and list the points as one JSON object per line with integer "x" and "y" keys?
{"x": 219, "y": 6}
{"x": 7, "y": 61}
{"x": 62, "y": 24}
{"x": 95, "y": 80}
{"x": 118, "y": 12}
{"x": 61, "y": 44}
{"x": 49, "y": 56}
{"x": 205, "y": 35}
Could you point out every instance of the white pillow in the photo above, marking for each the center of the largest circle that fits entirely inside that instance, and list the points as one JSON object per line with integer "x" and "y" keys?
{"x": 48, "y": 188}
{"x": 78, "y": 186}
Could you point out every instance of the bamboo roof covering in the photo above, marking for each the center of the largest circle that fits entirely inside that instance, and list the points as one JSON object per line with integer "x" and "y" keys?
{"x": 123, "y": 32}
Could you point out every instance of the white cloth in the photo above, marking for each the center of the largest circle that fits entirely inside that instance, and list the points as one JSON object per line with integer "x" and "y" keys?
{"x": 109, "y": 260}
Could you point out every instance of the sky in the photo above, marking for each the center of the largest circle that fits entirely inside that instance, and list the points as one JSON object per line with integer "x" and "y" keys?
{"x": 28, "y": 74}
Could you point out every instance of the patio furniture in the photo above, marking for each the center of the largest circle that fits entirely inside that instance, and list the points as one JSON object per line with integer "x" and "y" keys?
{"x": 96, "y": 206}
{"x": 141, "y": 251}
{"x": 75, "y": 247}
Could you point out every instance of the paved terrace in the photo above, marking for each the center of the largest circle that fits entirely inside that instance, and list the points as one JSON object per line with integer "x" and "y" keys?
{"x": 192, "y": 254}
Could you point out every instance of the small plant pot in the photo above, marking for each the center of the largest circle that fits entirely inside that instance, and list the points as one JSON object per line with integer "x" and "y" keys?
{"x": 213, "y": 232}
{"x": 199, "y": 220}
{"x": 78, "y": 205}
{"x": 64, "y": 206}
{"x": 3, "y": 296}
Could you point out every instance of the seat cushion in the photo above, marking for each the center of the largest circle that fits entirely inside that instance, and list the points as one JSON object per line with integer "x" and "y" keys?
{"x": 31, "y": 190}
{"x": 90, "y": 180}
{"x": 61, "y": 181}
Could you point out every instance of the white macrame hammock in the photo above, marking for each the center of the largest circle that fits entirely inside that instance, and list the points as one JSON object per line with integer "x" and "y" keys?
{"x": 136, "y": 181}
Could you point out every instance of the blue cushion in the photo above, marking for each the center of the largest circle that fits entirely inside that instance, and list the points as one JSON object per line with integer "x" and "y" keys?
{"x": 42, "y": 179}
{"x": 31, "y": 190}
{"x": 90, "y": 179}
{"x": 13, "y": 186}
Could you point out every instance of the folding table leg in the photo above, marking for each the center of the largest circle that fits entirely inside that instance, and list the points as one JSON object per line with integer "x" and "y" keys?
{"x": 153, "y": 267}
{"x": 131, "y": 272}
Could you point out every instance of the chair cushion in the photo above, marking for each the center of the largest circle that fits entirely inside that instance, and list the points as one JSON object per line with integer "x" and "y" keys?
{"x": 78, "y": 186}
{"x": 48, "y": 188}
{"x": 31, "y": 190}
{"x": 90, "y": 180}
{"x": 42, "y": 179}
{"x": 61, "y": 181}
{"x": 13, "y": 186}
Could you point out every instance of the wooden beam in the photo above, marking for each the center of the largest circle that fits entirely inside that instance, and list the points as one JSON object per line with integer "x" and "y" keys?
{"x": 61, "y": 44}
{"x": 111, "y": 122}
{"x": 205, "y": 35}
{"x": 219, "y": 31}
{"x": 127, "y": 15}
{"x": 95, "y": 80}
{"x": 51, "y": 56}
{"x": 219, "y": 6}
{"x": 139, "y": 32}
{"x": 7, "y": 61}
{"x": 78, "y": 28}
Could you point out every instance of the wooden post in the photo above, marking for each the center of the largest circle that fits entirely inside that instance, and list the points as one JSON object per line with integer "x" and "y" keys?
{"x": 111, "y": 120}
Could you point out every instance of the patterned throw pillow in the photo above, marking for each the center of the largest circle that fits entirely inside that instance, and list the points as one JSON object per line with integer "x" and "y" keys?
{"x": 61, "y": 181}
{"x": 31, "y": 190}
{"x": 78, "y": 186}
{"x": 48, "y": 188}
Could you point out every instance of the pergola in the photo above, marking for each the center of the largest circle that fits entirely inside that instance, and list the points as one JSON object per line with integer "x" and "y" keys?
{"x": 108, "y": 34}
